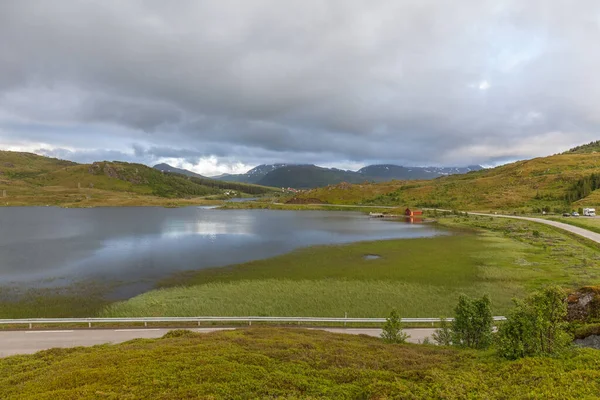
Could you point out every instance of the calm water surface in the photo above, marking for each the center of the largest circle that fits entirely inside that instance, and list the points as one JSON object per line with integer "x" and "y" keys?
{"x": 46, "y": 246}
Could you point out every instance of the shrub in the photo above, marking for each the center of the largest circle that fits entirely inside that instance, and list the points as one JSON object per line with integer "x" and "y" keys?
{"x": 536, "y": 326}
{"x": 443, "y": 335}
{"x": 392, "y": 330}
{"x": 180, "y": 333}
{"x": 472, "y": 326}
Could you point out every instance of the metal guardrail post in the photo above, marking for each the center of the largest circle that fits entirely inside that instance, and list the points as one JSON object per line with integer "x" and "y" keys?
{"x": 299, "y": 320}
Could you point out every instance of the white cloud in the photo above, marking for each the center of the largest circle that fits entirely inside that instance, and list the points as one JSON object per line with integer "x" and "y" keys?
{"x": 209, "y": 166}
{"x": 221, "y": 86}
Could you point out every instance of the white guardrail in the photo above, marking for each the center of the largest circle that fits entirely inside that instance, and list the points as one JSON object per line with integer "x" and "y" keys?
{"x": 199, "y": 320}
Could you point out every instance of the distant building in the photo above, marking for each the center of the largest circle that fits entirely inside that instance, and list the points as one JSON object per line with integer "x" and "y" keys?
{"x": 413, "y": 213}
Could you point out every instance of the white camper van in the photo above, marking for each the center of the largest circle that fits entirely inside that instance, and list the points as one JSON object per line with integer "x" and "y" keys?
{"x": 589, "y": 212}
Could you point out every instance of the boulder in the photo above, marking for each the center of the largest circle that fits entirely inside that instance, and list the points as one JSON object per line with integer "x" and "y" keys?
{"x": 584, "y": 304}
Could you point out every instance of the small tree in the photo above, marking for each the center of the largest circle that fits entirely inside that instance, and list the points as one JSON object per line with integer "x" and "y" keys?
{"x": 392, "y": 330}
{"x": 443, "y": 335}
{"x": 536, "y": 326}
{"x": 472, "y": 326}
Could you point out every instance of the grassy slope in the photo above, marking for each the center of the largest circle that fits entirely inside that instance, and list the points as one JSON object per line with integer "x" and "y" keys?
{"x": 35, "y": 180}
{"x": 533, "y": 183}
{"x": 418, "y": 277}
{"x": 276, "y": 363}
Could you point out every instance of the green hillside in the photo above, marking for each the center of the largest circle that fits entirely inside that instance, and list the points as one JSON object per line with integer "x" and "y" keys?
{"x": 29, "y": 179}
{"x": 16, "y": 165}
{"x": 556, "y": 182}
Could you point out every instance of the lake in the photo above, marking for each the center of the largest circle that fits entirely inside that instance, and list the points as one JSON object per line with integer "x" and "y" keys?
{"x": 54, "y": 247}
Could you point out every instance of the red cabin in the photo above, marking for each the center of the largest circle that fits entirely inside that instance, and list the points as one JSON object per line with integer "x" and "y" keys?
{"x": 413, "y": 213}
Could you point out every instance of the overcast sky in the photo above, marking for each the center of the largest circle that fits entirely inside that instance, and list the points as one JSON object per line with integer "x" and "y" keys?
{"x": 221, "y": 86}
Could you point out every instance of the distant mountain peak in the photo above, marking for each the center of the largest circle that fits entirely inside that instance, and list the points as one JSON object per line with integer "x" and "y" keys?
{"x": 264, "y": 169}
{"x": 169, "y": 168}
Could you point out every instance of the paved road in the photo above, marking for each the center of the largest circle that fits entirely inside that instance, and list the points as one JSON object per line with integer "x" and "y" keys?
{"x": 593, "y": 236}
{"x": 27, "y": 342}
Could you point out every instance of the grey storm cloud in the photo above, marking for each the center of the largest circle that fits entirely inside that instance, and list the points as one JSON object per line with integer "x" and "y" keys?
{"x": 413, "y": 82}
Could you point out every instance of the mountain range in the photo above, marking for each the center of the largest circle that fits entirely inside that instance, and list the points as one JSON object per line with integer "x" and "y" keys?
{"x": 306, "y": 176}
{"x": 560, "y": 183}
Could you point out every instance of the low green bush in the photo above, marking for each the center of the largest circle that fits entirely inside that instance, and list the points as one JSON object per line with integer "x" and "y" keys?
{"x": 443, "y": 335}
{"x": 536, "y": 326}
{"x": 392, "y": 330}
{"x": 472, "y": 325}
{"x": 180, "y": 333}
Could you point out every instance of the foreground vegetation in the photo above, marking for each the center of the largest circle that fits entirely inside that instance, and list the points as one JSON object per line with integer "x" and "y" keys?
{"x": 271, "y": 363}
{"x": 418, "y": 277}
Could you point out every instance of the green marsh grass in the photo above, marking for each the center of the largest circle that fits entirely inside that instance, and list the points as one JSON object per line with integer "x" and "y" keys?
{"x": 307, "y": 298}
{"x": 418, "y": 277}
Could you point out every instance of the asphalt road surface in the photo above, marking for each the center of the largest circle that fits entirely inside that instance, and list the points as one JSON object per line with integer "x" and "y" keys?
{"x": 28, "y": 342}
{"x": 593, "y": 236}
